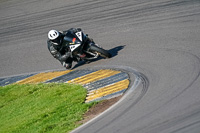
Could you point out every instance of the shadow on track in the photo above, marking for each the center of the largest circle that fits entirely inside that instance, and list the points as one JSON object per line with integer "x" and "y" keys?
{"x": 114, "y": 52}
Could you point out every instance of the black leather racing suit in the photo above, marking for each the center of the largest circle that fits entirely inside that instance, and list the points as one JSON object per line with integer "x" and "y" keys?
{"x": 60, "y": 52}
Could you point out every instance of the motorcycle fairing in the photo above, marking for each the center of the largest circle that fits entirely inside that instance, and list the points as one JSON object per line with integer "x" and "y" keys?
{"x": 73, "y": 41}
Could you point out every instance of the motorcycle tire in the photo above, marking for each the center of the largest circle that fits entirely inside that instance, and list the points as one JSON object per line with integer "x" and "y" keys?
{"x": 102, "y": 52}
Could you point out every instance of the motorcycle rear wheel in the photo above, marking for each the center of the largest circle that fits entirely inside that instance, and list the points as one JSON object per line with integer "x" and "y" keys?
{"x": 102, "y": 52}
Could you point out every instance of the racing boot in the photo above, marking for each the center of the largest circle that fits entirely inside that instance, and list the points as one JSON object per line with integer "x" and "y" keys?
{"x": 67, "y": 65}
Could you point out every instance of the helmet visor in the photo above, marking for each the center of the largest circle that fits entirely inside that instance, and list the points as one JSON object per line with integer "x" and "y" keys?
{"x": 57, "y": 41}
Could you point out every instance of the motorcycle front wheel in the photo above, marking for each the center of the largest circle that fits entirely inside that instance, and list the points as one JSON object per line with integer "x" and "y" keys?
{"x": 102, "y": 52}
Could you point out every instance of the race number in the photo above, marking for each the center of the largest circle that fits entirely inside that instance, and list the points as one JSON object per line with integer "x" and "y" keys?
{"x": 79, "y": 35}
{"x": 72, "y": 47}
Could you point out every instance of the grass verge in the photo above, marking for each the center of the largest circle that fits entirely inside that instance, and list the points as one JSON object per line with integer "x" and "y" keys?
{"x": 42, "y": 107}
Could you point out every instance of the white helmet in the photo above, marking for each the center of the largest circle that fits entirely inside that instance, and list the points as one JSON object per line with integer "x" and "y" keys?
{"x": 53, "y": 34}
{"x": 55, "y": 37}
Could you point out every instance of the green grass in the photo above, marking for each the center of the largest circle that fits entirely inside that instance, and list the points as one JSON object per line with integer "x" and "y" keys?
{"x": 35, "y": 108}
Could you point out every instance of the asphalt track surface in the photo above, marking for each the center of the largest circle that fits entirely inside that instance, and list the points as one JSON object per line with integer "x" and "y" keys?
{"x": 158, "y": 38}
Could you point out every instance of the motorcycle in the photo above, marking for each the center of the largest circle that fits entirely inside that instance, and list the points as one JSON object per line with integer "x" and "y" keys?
{"x": 82, "y": 47}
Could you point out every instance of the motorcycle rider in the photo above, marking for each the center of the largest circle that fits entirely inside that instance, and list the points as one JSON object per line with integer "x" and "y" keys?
{"x": 54, "y": 43}
{"x": 63, "y": 54}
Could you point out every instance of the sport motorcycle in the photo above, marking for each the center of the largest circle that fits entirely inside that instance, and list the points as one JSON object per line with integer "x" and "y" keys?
{"x": 82, "y": 47}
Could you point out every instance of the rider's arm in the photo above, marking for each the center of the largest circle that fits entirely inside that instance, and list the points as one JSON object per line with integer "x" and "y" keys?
{"x": 56, "y": 54}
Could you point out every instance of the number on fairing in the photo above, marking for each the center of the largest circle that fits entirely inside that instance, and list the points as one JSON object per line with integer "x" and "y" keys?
{"x": 72, "y": 47}
{"x": 79, "y": 35}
